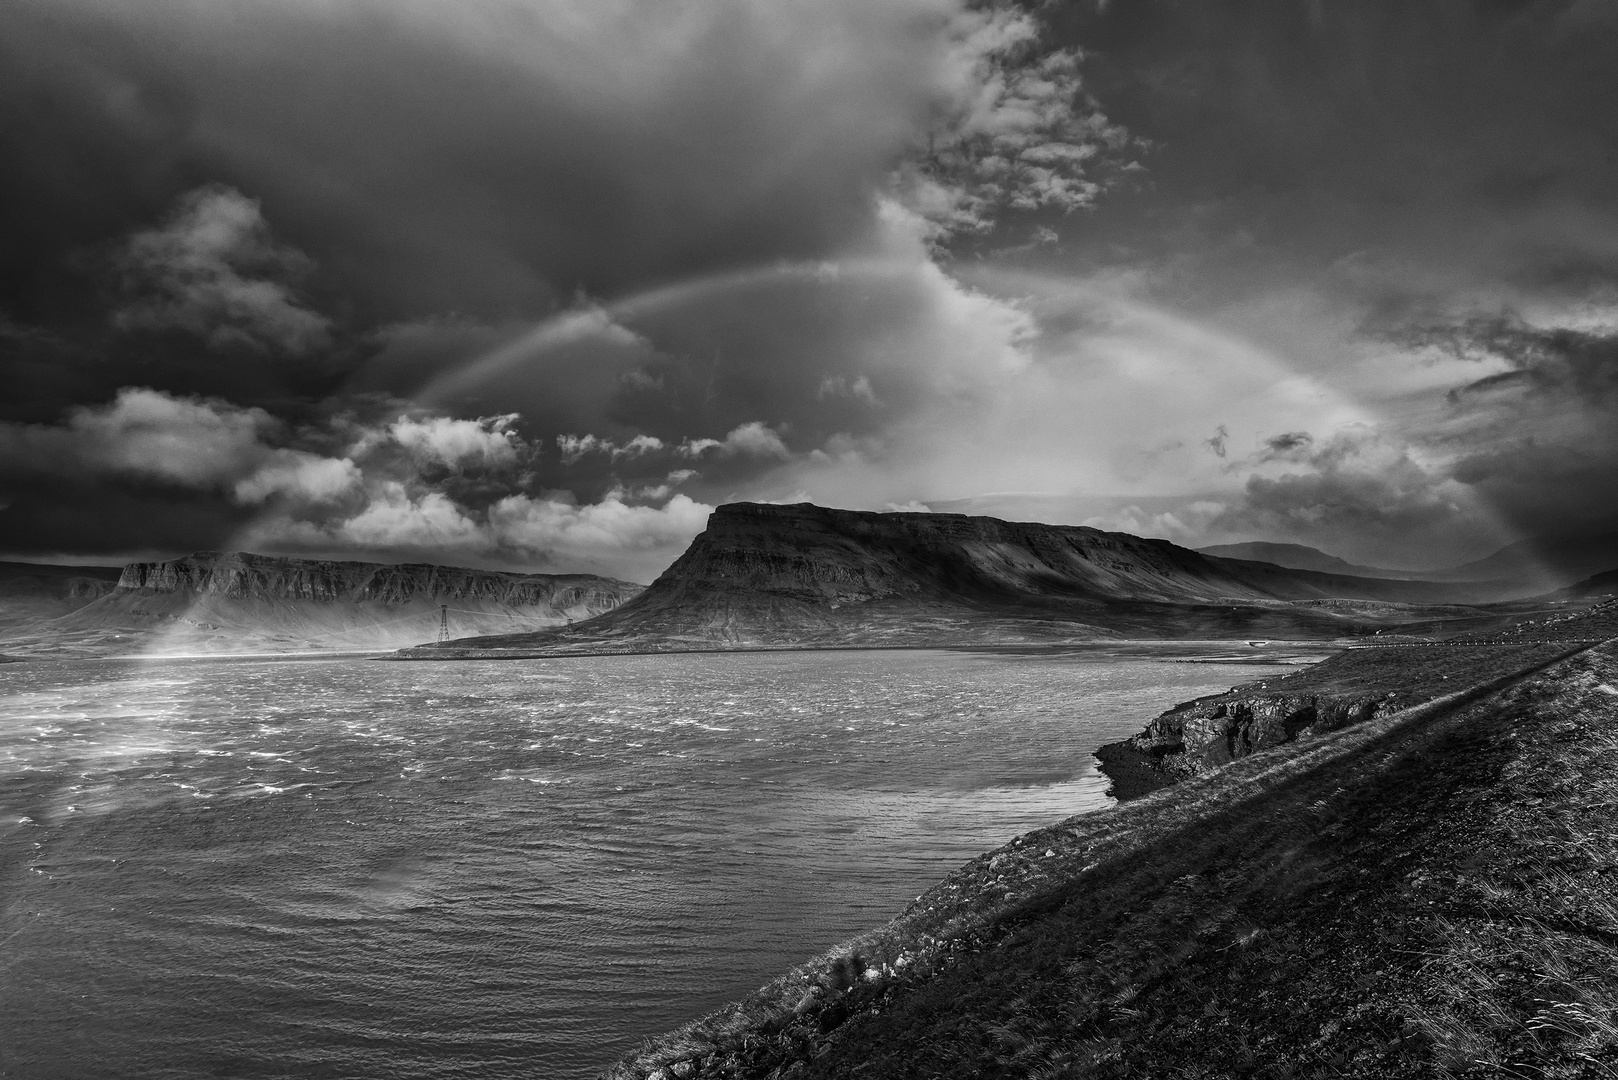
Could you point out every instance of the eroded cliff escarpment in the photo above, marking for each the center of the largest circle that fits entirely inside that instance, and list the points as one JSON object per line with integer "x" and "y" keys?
{"x": 237, "y": 601}
{"x": 769, "y": 576}
{"x": 242, "y": 575}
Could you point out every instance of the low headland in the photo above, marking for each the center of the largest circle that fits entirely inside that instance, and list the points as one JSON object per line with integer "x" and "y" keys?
{"x": 1396, "y": 863}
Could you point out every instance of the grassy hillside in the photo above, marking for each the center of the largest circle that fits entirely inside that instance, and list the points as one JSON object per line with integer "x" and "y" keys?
{"x": 1429, "y": 892}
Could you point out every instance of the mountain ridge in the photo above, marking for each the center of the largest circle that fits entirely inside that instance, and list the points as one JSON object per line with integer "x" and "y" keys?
{"x": 212, "y": 602}
{"x": 1546, "y": 562}
{"x": 1304, "y": 557}
{"x": 768, "y": 575}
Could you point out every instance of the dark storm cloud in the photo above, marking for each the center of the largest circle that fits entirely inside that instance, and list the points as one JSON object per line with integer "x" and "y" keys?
{"x": 1334, "y": 181}
{"x": 1358, "y": 492}
{"x": 1453, "y": 144}
{"x": 1551, "y": 361}
{"x": 1539, "y": 435}
{"x": 491, "y": 158}
{"x": 312, "y": 209}
{"x": 699, "y": 249}
{"x": 1287, "y": 443}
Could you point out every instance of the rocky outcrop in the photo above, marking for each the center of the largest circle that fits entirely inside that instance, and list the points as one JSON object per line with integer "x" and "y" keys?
{"x": 1349, "y": 688}
{"x": 1220, "y": 729}
{"x": 242, "y": 575}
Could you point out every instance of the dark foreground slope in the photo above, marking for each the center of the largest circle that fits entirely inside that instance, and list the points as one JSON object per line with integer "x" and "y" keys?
{"x": 235, "y": 602}
{"x": 1426, "y": 893}
{"x": 1361, "y": 683}
{"x": 803, "y": 575}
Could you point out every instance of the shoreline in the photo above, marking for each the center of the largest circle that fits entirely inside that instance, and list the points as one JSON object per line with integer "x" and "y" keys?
{"x": 1132, "y": 773}
{"x": 1232, "y": 876}
{"x": 1190, "y": 650}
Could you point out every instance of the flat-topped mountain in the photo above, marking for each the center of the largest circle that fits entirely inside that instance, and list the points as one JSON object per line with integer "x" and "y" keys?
{"x": 242, "y": 602}
{"x": 766, "y": 575}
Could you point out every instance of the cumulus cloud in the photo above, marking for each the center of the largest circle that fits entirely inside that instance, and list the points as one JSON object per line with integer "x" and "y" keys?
{"x": 754, "y": 439}
{"x": 192, "y": 442}
{"x": 553, "y": 531}
{"x": 395, "y": 520}
{"x": 489, "y": 440}
{"x": 298, "y": 474}
{"x": 1013, "y": 127}
{"x": 633, "y": 540}
{"x": 198, "y": 443}
{"x": 574, "y": 447}
{"x": 214, "y": 270}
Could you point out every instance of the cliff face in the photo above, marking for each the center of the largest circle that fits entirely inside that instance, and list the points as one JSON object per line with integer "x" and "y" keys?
{"x": 1219, "y": 730}
{"x": 764, "y": 575}
{"x": 242, "y": 575}
{"x": 1354, "y": 686}
{"x": 239, "y": 602}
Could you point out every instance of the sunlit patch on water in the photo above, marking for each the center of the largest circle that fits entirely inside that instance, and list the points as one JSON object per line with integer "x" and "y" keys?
{"x": 336, "y": 867}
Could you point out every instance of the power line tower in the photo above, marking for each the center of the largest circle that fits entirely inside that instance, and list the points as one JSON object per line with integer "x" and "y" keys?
{"x": 443, "y": 622}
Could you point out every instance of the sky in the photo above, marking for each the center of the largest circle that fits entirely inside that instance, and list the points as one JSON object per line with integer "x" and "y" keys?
{"x": 536, "y": 284}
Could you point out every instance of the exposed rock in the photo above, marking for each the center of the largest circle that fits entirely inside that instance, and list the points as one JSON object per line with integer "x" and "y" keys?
{"x": 1220, "y": 729}
{"x": 1352, "y": 687}
{"x": 240, "y": 602}
{"x": 247, "y": 576}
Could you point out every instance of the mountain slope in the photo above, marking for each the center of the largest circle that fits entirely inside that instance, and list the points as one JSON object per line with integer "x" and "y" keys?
{"x": 765, "y": 575}
{"x": 1593, "y": 587}
{"x": 240, "y": 602}
{"x": 1542, "y": 564}
{"x": 33, "y": 593}
{"x": 1303, "y": 557}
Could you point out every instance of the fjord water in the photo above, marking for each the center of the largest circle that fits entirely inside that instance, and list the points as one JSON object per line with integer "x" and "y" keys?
{"x": 351, "y": 868}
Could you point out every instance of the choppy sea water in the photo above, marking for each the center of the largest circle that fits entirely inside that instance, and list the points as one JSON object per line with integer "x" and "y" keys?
{"x": 349, "y": 868}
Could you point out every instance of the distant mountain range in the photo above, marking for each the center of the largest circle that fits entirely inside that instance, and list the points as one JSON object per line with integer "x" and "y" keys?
{"x": 35, "y": 593}
{"x": 215, "y": 602}
{"x": 1521, "y": 569}
{"x": 1545, "y": 563}
{"x": 805, "y": 575}
{"x": 1302, "y": 557}
{"x": 782, "y": 576}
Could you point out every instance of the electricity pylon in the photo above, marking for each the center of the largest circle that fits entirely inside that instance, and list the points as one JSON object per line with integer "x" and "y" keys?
{"x": 443, "y": 622}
